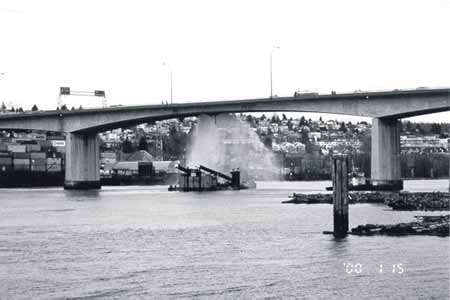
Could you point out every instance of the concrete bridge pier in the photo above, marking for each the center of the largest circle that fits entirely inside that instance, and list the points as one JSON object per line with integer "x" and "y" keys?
{"x": 385, "y": 158}
{"x": 82, "y": 162}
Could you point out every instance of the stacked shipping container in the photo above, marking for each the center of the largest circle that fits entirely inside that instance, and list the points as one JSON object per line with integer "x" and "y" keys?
{"x": 29, "y": 157}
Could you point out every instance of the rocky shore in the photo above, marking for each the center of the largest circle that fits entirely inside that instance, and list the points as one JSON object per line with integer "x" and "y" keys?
{"x": 396, "y": 200}
{"x": 425, "y": 225}
{"x": 354, "y": 197}
{"x": 419, "y": 201}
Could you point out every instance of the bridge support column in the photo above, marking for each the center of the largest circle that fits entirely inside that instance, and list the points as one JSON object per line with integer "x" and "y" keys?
{"x": 385, "y": 160}
{"x": 82, "y": 162}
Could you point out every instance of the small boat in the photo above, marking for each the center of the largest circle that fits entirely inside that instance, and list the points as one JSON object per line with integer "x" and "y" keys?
{"x": 248, "y": 185}
{"x": 357, "y": 182}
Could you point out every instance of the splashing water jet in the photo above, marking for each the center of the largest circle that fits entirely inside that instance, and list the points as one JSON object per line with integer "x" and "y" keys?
{"x": 224, "y": 143}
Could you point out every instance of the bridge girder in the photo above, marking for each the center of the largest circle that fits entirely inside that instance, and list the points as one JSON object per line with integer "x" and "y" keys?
{"x": 393, "y": 105}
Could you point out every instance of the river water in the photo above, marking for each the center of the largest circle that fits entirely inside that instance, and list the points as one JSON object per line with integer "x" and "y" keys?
{"x": 148, "y": 243}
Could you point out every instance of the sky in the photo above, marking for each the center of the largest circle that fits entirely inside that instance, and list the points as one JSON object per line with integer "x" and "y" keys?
{"x": 218, "y": 50}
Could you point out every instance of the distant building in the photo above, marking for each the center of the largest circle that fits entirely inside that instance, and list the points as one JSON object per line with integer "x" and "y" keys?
{"x": 421, "y": 144}
{"x": 315, "y": 136}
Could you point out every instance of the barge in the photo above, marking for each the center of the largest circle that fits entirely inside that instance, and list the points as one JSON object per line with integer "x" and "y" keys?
{"x": 206, "y": 179}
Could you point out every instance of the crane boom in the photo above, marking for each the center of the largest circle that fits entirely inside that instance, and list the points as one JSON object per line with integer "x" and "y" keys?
{"x": 216, "y": 173}
{"x": 183, "y": 169}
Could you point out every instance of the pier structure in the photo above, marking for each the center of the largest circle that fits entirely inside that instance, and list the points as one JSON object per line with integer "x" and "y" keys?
{"x": 82, "y": 163}
{"x": 385, "y": 156}
{"x": 81, "y": 126}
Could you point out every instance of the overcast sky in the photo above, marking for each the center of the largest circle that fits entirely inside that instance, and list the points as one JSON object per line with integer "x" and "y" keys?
{"x": 218, "y": 49}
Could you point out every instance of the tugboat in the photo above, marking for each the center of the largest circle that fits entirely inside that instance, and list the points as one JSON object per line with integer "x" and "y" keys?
{"x": 250, "y": 184}
{"x": 357, "y": 181}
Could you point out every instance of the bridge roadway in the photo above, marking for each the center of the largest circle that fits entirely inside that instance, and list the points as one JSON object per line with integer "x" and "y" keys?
{"x": 81, "y": 126}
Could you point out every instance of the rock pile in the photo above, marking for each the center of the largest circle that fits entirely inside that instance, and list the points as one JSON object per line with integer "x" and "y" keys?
{"x": 425, "y": 225}
{"x": 419, "y": 201}
{"x": 397, "y": 201}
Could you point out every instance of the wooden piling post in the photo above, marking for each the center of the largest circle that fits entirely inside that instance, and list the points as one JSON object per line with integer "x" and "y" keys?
{"x": 340, "y": 195}
{"x": 198, "y": 174}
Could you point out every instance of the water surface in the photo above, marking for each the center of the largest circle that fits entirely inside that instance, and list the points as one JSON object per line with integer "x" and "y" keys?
{"x": 146, "y": 242}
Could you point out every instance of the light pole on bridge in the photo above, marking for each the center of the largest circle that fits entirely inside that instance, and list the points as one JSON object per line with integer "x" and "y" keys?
{"x": 171, "y": 82}
{"x": 1, "y": 75}
{"x": 271, "y": 54}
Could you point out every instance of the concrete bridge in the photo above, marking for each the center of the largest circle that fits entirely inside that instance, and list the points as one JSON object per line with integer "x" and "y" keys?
{"x": 82, "y": 126}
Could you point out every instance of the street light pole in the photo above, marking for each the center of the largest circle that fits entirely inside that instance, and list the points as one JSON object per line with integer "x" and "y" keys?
{"x": 1, "y": 75}
{"x": 171, "y": 87}
{"x": 171, "y": 82}
{"x": 271, "y": 81}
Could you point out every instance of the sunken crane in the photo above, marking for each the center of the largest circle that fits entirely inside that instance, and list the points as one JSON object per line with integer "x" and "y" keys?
{"x": 206, "y": 179}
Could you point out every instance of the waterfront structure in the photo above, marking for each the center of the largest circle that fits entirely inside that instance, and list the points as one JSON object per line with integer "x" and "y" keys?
{"x": 386, "y": 108}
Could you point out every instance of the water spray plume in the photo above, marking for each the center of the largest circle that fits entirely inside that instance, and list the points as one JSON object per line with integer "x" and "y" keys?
{"x": 224, "y": 143}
